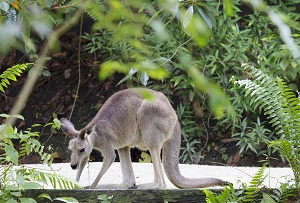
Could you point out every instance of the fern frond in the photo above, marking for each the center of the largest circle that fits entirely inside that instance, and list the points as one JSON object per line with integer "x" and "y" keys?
{"x": 253, "y": 190}
{"x": 227, "y": 195}
{"x": 282, "y": 108}
{"x": 290, "y": 153}
{"x": 56, "y": 181}
{"x": 11, "y": 73}
{"x": 96, "y": 11}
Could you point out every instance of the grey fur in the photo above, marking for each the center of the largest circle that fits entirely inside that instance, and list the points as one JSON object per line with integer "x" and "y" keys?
{"x": 128, "y": 119}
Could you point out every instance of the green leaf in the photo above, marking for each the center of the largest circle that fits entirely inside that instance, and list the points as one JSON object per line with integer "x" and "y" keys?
{"x": 11, "y": 154}
{"x": 57, "y": 123}
{"x": 18, "y": 116}
{"x": 67, "y": 199}
{"x": 49, "y": 3}
{"x": 12, "y": 187}
{"x": 27, "y": 200}
{"x": 11, "y": 74}
{"x": 109, "y": 67}
{"x": 187, "y": 17}
{"x": 132, "y": 71}
{"x": 205, "y": 17}
{"x": 267, "y": 199}
{"x": 4, "y": 6}
{"x": 144, "y": 78}
{"x": 228, "y": 5}
{"x": 16, "y": 194}
{"x": 30, "y": 185}
{"x": 218, "y": 101}
{"x": 4, "y": 115}
{"x": 12, "y": 200}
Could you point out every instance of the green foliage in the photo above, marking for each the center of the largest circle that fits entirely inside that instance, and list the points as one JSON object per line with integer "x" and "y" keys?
{"x": 283, "y": 109}
{"x": 190, "y": 135}
{"x": 18, "y": 20}
{"x": 247, "y": 194}
{"x": 16, "y": 179}
{"x": 253, "y": 189}
{"x": 227, "y": 195}
{"x": 61, "y": 199}
{"x": 254, "y": 137}
{"x": 161, "y": 40}
{"x": 255, "y": 192}
{"x": 11, "y": 73}
{"x": 165, "y": 43}
{"x": 105, "y": 198}
{"x": 145, "y": 43}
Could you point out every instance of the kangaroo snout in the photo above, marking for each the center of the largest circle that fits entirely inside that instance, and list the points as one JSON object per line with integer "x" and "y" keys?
{"x": 74, "y": 166}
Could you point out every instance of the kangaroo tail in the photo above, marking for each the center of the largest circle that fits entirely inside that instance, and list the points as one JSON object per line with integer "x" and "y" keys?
{"x": 171, "y": 151}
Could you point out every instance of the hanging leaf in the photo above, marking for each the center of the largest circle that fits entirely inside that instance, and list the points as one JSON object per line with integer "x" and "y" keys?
{"x": 188, "y": 17}
{"x": 4, "y": 6}
{"x": 144, "y": 78}
{"x": 11, "y": 154}
{"x": 30, "y": 185}
{"x": 205, "y": 17}
{"x": 132, "y": 71}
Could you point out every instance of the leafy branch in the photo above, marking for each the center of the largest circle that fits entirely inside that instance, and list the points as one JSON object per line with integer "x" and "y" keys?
{"x": 38, "y": 67}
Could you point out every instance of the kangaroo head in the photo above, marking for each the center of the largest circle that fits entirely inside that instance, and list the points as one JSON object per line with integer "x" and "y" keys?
{"x": 79, "y": 144}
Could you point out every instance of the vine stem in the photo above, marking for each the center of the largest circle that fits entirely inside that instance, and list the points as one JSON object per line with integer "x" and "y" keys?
{"x": 38, "y": 67}
{"x": 79, "y": 68}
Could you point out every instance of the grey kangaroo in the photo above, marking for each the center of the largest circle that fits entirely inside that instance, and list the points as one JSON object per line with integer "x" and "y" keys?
{"x": 129, "y": 119}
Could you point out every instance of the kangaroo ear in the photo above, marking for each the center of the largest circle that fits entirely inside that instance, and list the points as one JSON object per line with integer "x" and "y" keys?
{"x": 68, "y": 128}
{"x": 87, "y": 130}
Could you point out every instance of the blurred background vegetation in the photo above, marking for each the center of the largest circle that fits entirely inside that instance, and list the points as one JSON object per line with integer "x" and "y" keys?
{"x": 188, "y": 50}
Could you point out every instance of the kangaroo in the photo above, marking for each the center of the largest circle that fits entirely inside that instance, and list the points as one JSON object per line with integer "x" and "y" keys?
{"x": 129, "y": 119}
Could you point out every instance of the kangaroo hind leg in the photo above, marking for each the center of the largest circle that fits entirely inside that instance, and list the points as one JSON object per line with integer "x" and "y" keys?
{"x": 159, "y": 179}
{"x": 156, "y": 121}
{"x": 126, "y": 167}
{"x": 154, "y": 138}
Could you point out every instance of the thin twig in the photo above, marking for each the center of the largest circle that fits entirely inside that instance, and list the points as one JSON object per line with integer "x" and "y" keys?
{"x": 79, "y": 68}
{"x": 176, "y": 51}
{"x": 56, "y": 4}
{"x": 207, "y": 135}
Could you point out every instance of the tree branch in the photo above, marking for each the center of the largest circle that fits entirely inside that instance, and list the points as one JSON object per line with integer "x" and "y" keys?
{"x": 37, "y": 68}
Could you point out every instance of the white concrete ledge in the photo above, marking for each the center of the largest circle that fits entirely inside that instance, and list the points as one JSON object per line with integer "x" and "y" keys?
{"x": 144, "y": 173}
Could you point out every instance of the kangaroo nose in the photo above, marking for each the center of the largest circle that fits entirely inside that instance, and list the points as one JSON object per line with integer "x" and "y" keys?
{"x": 74, "y": 166}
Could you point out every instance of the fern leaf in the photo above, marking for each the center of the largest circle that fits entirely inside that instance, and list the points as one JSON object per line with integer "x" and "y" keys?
{"x": 11, "y": 73}
{"x": 253, "y": 189}
{"x": 282, "y": 108}
{"x": 56, "y": 181}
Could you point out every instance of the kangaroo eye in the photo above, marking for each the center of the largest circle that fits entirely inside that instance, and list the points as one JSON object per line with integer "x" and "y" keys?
{"x": 81, "y": 150}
